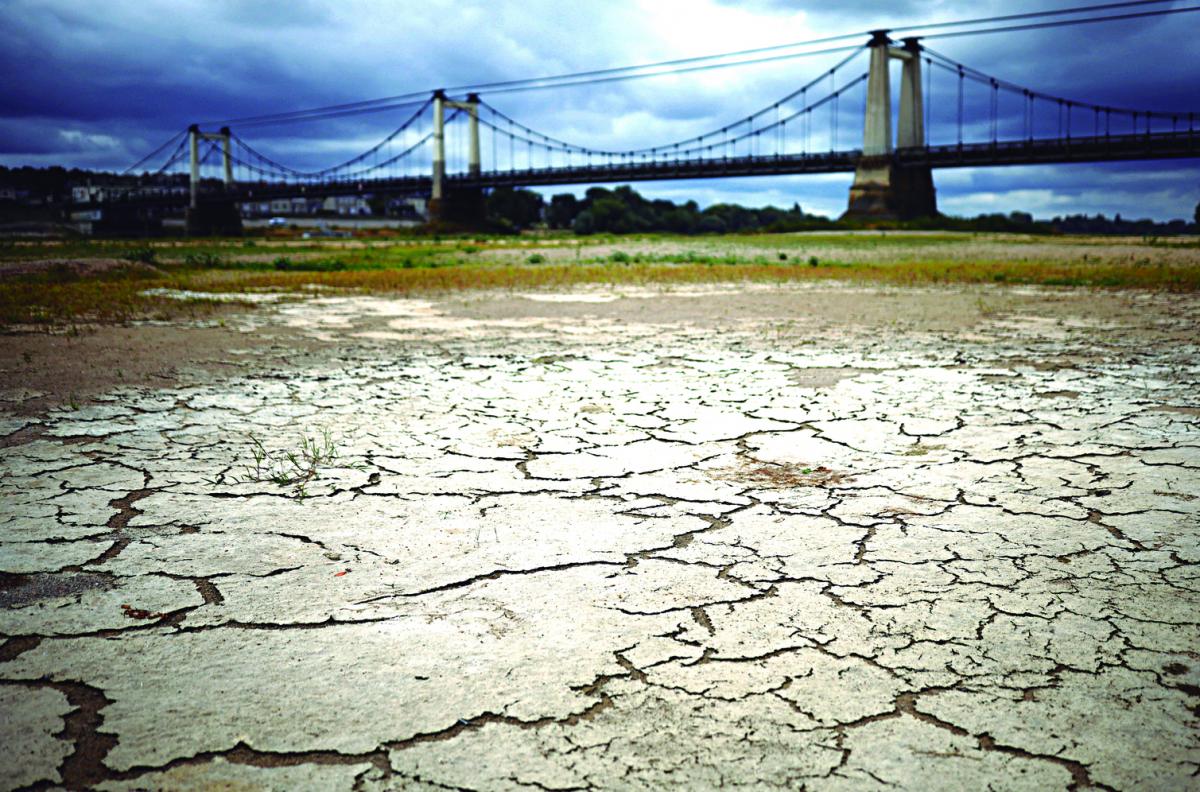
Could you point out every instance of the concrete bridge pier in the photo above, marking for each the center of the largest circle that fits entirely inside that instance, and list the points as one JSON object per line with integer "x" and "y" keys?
{"x": 882, "y": 188}
{"x": 218, "y": 216}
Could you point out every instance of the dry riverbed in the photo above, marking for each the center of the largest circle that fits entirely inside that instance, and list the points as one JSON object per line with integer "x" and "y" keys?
{"x": 771, "y": 536}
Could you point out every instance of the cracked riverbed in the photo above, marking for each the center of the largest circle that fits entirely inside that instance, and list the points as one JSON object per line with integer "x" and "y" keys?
{"x": 830, "y": 537}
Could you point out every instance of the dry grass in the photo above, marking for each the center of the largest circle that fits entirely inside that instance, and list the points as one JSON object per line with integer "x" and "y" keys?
{"x": 777, "y": 476}
{"x": 31, "y": 301}
{"x": 515, "y": 276}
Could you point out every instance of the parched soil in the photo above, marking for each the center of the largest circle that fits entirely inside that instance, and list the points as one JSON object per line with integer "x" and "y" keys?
{"x": 830, "y": 536}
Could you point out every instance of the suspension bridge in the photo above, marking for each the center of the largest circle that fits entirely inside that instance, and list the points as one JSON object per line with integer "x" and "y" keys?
{"x": 455, "y": 145}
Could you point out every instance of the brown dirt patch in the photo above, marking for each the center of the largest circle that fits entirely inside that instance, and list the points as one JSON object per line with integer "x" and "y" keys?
{"x": 47, "y": 370}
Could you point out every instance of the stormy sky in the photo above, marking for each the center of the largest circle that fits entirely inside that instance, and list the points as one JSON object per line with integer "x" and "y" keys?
{"x": 100, "y": 84}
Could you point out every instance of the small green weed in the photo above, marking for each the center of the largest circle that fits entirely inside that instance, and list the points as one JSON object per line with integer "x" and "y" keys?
{"x": 293, "y": 468}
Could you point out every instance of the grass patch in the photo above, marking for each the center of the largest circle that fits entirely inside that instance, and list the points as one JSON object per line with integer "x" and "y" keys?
{"x": 290, "y": 467}
{"x": 285, "y": 264}
{"x": 515, "y": 276}
{"x": 34, "y": 301}
{"x": 403, "y": 266}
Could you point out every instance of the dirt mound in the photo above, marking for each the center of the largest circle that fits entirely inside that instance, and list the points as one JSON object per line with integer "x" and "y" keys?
{"x": 66, "y": 269}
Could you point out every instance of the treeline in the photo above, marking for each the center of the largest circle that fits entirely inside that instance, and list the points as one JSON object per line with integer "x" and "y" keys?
{"x": 623, "y": 210}
{"x": 56, "y": 181}
{"x": 1099, "y": 224}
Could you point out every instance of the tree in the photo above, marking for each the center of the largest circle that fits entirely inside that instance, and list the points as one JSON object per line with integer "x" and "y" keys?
{"x": 584, "y": 223}
{"x": 520, "y": 208}
{"x": 611, "y": 214}
{"x": 1196, "y": 215}
{"x": 563, "y": 210}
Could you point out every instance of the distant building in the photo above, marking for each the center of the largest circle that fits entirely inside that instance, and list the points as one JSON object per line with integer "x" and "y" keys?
{"x": 255, "y": 208}
{"x": 347, "y": 205}
{"x": 117, "y": 219}
{"x": 97, "y": 193}
{"x": 408, "y": 208}
{"x": 281, "y": 207}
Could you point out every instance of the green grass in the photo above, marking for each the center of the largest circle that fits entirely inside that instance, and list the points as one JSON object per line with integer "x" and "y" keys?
{"x": 289, "y": 467}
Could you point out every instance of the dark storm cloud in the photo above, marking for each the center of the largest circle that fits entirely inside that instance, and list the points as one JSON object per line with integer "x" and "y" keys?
{"x": 101, "y": 84}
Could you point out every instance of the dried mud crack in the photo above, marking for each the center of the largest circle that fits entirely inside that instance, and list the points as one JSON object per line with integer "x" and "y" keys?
{"x": 507, "y": 543}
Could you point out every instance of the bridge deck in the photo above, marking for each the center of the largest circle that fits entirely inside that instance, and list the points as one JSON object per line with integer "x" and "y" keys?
{"x": 1170, "y": 145}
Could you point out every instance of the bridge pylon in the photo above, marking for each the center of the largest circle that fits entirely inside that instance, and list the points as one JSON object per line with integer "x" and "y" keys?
{"x": 882, "y": 188}
{"x": 463, "y": 206}
{"x": 217, "y": 217}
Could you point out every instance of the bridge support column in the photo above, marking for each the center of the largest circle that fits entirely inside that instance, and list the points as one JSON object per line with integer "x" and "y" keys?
{"x": 877, "y": 126}
{"x": 227, "y": 156}
{"x": 883, "y": 188}
{"x": 910, "y": 132}
{"x": 193, "y": 165}
{"x": 473, "y": 164}
{"x": 439, "y": 144}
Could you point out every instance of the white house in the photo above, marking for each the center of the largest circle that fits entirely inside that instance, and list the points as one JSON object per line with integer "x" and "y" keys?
{"x": 347, "y": 205}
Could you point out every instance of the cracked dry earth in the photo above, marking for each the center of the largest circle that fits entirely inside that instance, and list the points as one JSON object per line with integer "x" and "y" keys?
{"x": 595, "y": 541}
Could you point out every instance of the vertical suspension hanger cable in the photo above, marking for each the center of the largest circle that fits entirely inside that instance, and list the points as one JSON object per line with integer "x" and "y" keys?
{"x": 833, "y": 119}
{"x": 995, "y": 111}
{"x": 960, "y": 106}
{"x": 778, "y": 133}
{"x": 807, "y": 116}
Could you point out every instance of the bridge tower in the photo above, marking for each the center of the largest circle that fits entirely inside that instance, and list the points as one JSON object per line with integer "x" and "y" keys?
{"x": 219, "y": 217}
{"x": 464, "y": 205}
{"x": 883, "y": 188}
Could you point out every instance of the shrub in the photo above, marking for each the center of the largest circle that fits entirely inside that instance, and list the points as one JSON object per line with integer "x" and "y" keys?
{"x": 202, "y": 260}
{"x": 142, "y": 255}
{"x": 285, "y": 264}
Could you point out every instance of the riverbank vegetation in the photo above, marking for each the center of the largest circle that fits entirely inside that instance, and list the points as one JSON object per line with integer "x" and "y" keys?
{"x": 53, "y": 282}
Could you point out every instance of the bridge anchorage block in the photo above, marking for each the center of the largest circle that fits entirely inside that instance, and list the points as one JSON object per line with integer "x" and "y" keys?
{"x": 463, "y": 208}
{"x": 214, "y": 218}
{"x": 886, "y": 190}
